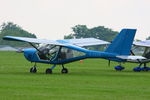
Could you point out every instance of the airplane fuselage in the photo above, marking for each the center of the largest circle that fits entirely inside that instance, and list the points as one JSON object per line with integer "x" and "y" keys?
{"x": 32, "y": 55}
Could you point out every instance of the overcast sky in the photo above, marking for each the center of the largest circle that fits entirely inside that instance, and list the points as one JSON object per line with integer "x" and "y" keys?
{"x": 52, "y": 19}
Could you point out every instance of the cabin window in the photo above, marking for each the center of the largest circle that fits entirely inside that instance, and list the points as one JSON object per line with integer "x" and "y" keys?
{"x": 53, "y": 52}
{"x": 48, "y": 52}
{"x": 66, "y": 53}
{"x": 147, "y": 53}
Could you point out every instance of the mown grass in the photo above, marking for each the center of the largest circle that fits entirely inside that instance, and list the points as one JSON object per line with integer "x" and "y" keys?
{"x": 90, "y": 80}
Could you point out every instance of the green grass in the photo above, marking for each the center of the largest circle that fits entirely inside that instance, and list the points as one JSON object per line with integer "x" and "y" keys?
{"x": 90, "y": 80}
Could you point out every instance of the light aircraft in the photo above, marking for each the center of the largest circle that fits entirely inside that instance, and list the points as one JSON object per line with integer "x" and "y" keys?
{"x": 143, "y": 48}
{"x": 60, "y": 52}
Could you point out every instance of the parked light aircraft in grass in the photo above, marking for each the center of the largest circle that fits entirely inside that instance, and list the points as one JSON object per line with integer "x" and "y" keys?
{"x": 144, "y": 48}
{"x": 60, "y": 52}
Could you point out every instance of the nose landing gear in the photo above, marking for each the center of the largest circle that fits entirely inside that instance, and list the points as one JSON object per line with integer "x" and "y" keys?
{"x": 33, "y": 69}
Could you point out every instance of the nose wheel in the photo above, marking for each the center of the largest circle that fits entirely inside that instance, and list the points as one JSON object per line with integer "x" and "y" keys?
{"x": 33, "y": 69}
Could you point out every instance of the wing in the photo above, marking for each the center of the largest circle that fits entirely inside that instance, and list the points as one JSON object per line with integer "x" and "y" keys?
{"x": 31, "y": 40}
{"x": 77, "y": 42}
{"x": 44, "y": 41}
{"x": 131, "y": 57}
{"x": 84, "y": 42}
{"x": 145, "y": 43}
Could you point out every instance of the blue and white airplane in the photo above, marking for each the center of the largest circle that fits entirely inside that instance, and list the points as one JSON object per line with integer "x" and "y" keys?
{"x": 60, "y": 52}
{"x": 141, "y": 48}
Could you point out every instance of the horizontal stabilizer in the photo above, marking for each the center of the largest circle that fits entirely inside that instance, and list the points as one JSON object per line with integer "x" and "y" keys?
{"x": 131, "y": 57}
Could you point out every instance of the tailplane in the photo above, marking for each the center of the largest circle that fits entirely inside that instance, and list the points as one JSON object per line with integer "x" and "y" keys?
{"x": 122, "y": 43}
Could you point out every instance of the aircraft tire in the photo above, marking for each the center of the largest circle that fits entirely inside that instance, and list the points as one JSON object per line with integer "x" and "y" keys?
{"x": 64, "y": 71}
{"x": 33, "y": 70}
{"x": 48, "y": 71}
{"x": 119, "y": 68}
{"x": 145, "y": 69}
{"x": 137, "y": 69}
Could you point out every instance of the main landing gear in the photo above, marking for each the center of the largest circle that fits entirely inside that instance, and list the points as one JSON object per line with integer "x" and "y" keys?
{"x": 63, "y": 71}
{"x": 139, "y": 68}
{"x": 136, "y": 69}
{"x": 49, "y": 70}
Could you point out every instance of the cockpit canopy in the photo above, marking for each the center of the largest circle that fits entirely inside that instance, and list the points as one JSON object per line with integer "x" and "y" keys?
{"x": 142, "y": 51}
{"x": 54, "y": 52}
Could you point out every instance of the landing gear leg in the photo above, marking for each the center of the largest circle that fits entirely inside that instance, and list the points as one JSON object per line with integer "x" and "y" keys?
{"x": 64, "y": 70}
{"x": 49, "y": 70}
{"x": 145, "y": 68}
{"x": 33, "y": 69}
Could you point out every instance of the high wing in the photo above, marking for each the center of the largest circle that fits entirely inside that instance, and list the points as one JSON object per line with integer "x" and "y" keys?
{"x": 131, "y": 57}
{"x": 32, "y": 40}
{"x": 145, "y": 43}
{"x": 86, "y": 42}
{"x": 77, "y": 42}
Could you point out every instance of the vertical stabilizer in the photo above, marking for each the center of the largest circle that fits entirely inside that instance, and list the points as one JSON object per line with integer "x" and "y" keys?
{"x": 122, "y": 43}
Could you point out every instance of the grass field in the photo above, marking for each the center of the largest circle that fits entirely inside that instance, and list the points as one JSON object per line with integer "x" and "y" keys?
{"x": 90, "y": 80}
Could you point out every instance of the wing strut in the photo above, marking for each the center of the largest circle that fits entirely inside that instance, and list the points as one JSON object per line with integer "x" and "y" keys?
{"x": 134, "y": 55}
{"x": 35, "y": 47}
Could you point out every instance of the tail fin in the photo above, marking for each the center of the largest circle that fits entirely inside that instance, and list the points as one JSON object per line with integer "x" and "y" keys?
{"x": 122, "y": 43}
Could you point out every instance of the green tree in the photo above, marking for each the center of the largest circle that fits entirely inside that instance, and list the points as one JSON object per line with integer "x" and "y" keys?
{"x": 100, "y": 32}
{"x": 70, "y": 36}
{"x": 148, "y": 38}
{"x": 11, "y": 29}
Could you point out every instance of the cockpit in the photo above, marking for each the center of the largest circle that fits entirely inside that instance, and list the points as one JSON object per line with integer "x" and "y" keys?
{"x": 48, "y": 52}
{"x": 142, "y": 51}
{"x": 147, "y": 53}
{"x": 53, "y": 52}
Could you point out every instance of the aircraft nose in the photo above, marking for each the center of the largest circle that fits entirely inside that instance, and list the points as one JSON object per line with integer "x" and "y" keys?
{"x": 29, "y": 53}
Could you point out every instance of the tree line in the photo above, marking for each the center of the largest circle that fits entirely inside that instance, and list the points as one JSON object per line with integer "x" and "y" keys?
{"x": 79, "y": 31}
{"x": 99, "y": 32}
{"x": 11, "y": 29}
